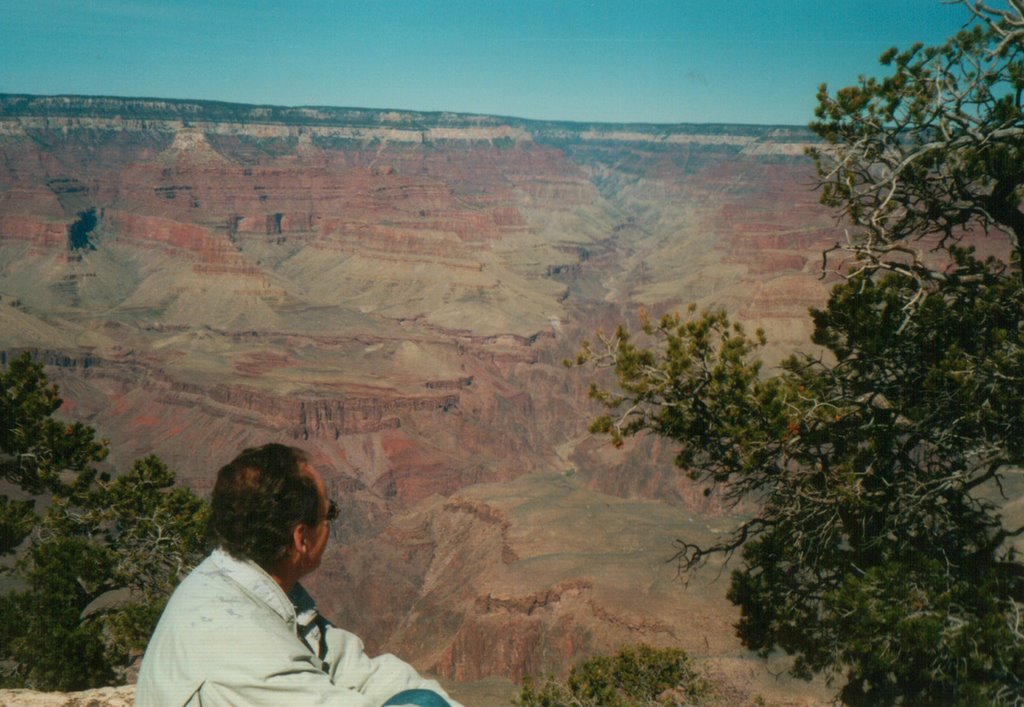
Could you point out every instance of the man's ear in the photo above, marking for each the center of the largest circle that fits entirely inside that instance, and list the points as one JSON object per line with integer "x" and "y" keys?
{"x": 299, "y": 539}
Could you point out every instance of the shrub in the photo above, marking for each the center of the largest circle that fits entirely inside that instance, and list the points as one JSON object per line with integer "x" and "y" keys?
{"x": 635, "y": 675}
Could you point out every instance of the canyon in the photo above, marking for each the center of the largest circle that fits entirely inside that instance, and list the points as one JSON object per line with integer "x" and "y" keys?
{"x": 395, "y": 293}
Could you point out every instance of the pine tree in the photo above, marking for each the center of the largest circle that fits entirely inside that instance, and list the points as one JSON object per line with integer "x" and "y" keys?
{"x": 96, "y": 557}
{"x": 879, "y": 556}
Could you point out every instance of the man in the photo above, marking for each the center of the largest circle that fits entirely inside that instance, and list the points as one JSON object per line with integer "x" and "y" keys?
{"x": 241, "y": 630}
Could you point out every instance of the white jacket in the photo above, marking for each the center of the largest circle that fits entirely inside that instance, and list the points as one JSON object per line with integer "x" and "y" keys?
{"x": 230, "y": 636}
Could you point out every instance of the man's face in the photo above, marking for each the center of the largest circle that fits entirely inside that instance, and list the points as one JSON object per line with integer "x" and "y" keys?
{"x": 317, "y": 535}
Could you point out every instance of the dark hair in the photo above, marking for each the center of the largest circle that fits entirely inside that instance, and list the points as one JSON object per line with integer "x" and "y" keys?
{"x": 258, "y": 499}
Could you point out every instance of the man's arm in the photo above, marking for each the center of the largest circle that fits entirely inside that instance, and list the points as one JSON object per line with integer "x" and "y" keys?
{"x": 345, "y": 659}
{"x": 379, "y": 678}
{"x": 216, "y": 670}
{"x": 294, "y": 688}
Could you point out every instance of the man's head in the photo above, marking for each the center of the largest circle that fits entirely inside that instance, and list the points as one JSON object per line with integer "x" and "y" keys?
{"x": 269, "y": 506}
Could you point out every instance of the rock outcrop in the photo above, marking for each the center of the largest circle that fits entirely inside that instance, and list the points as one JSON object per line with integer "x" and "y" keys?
{"x": 99, "y": 697}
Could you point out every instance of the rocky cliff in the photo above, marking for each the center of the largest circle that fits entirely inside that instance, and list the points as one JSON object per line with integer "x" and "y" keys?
{"x": 394, "y": 292}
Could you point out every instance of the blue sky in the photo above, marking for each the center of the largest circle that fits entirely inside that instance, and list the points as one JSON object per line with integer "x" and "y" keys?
{"x": 659, "y": 61}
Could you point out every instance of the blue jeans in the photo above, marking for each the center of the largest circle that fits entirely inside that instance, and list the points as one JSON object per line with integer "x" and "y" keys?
{"x": 420, "y": 698}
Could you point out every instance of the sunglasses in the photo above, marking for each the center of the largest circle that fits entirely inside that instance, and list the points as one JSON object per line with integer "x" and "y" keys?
{"x": 332, "y": 510}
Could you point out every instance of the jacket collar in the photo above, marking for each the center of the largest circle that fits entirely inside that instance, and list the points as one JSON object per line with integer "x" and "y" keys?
{"x": 254, "y": 580}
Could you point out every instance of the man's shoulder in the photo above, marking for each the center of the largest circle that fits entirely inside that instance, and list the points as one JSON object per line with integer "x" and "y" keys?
{"x": 211, "y": 608}
{"x": 221, "y": 586}
{"x": 205, "y": 577}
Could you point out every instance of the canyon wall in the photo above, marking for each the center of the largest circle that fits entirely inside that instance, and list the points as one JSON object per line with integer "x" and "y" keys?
{"x": 395, "y": 292}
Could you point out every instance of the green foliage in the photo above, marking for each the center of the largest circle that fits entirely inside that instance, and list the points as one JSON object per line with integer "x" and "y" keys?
{"x": 635, "y": 675}
{"x": 934, "y": 148}
{"x": 52, "y": 647}
{"x": 100, "y": 561}
{"x": 873, "y": 552}
{"x": 16, "y": 520}
{"x": 34, "y": 447}
{"x": 877, "y": 556}
{"x": 701, "y": 371}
